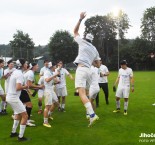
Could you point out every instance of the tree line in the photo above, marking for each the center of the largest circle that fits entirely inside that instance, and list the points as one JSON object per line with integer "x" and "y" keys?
{"x": 109, "y": 35}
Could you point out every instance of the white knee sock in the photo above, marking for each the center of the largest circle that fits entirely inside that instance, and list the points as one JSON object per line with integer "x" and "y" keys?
{"x": 15, "y": 125}
{"x": 118, "y": 104}
{"x": 125, "y": 105}
{"x": 89, "y": 108}
{"x": 22, "y": 130}
{"x": 63, "y": 106}
{"x": 45, "y": 120}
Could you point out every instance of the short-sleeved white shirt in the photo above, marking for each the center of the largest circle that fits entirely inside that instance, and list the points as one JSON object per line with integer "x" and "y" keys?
{"x": 87, "y": 53}
{"x": 16, "y": 77}
{"x": 1, "y": 75}
{"x": 29, "y": 75}
{"x": 43, "y": 69}
{"x": 6, "y": 71}
{"x": 62, "y": 78}
{"x": 41, "y": 80}
{"x": 124, "y": 77}
{"x": 48, "y": 74}
{"x": 104, "y": 70}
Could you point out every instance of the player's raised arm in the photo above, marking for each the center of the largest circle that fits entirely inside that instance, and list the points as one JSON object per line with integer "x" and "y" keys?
{"x": 76, "y": 29}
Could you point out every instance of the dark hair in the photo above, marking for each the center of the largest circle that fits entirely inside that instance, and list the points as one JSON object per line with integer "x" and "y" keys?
{"x": 59, "y": 61}
{"x": 1, "y": 60}
{"x": 46, "y": 61}
{"x": 88, "y": 40}
{"x": 123, "y": 62}
{"x": 33, "y": 64}
{"x": 53, "y": 64}
{"x": 22, "y": 61}
{"x": 10, "y": 61}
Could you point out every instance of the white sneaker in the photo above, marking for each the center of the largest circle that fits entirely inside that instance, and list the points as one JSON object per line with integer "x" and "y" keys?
{"x": 31, "y": 121}
{"x": 93, "y": 120}
{"x": 153, "y": 104}
{"x": 30, "y": 124}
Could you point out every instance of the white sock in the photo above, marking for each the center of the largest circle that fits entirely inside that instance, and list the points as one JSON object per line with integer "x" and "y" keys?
{"x": 49, "y": 113}
{"x": 63, "y": 106}
{"x": 22, "y": 130}
{"x": 15, "y": 125}
{"x": 45, "y": 120}
{"x": 89, "y": 108}
{"x": 125, "y": 105}
{"x": 3, "y": 104}
{"x": 118, "y": 104}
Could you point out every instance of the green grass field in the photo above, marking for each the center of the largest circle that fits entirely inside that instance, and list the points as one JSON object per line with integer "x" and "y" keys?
{"x": 70, "y": 128}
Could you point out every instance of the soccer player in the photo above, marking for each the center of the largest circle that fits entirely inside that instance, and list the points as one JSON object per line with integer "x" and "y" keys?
{"x": 16, "y": 84}
{"x": 49, "y": 94}
{"x": 40, "y": 92}
{"x": 7, "y": 74}
{"x": 25, "y": 98}
{"x": 61, "y": 89}
{"x": 94, "y": 86}
{"x": 103, "y": 83}
{"x": 2, "y": 95}
{"x": 87, "y": 53}
{"x": 125, "y": 77}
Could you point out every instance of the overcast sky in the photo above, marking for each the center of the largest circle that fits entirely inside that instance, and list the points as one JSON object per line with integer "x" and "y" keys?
{"x": 41, "y": 18}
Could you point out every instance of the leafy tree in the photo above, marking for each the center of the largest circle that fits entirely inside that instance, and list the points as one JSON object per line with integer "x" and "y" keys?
{"x": 148, "y": 25}
{"x": 63, "y": 47}
{"x": 122, "y": 22}
{"x": 102, "y": 29}
{"x": 22, "y": 46}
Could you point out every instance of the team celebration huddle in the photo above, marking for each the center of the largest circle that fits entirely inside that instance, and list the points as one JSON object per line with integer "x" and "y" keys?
{"x": 91, "y": 75}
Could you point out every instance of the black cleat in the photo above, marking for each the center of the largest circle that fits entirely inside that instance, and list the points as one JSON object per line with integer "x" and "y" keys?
{"x": 22, "y": 139}
{"x": 14, "y": 134}
{"x": 63, "y": 110}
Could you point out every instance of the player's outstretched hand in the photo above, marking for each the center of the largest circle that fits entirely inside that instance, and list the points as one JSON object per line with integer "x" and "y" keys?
{"x": 82, "y": 15}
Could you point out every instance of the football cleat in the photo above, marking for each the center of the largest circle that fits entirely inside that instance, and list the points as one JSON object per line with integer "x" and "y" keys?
{"x": 125, "y": 112}
{"x": 117, "y": 110}
{"x": 14, "y": 134}
{"x": 47, "y": 125}
{"x": 30, "y": 124}
{"x": 22, "y": 139}
{"x": 50, "y": 117}
{"x": 93, "y": 120}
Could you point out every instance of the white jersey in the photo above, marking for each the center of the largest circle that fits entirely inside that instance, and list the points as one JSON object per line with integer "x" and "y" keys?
{"x": 62, "y": 78}
{"x": 95, "y": 72}
{"x": 124, "y": 77}
{"x": 48, "y": 74}
{"x": 104, "y": 70}
{"x": 41, "y": 80}
{"x": 42, "y": 70}
{"x": 1, "y": 75}
{"x": 87, "y": 53}
{"x": 29, "y": 75}
{"x": 8, "y": 71}
{"x": 16, "y": 77}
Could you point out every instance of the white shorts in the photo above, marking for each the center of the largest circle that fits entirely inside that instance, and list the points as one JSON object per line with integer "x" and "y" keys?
{"x": 1, "y": 91}
{"x": 61, "y": 91}
{"x": 40, "y": 93}
{"x": 83, "y": 77}
{"x": 50, "y": 97}
{"x": 123, "y": 92}
{"x": 94, "y": 87}
{"x": 17, "y": 106}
